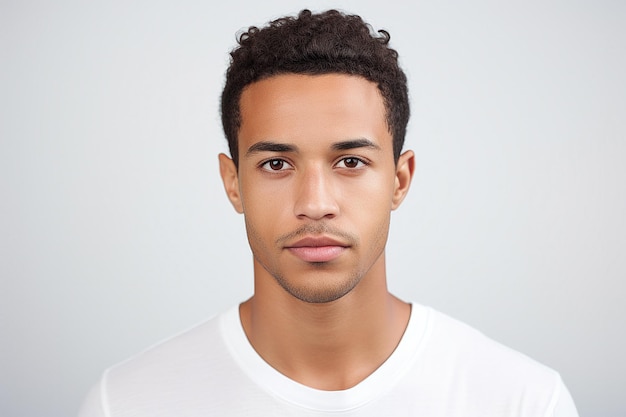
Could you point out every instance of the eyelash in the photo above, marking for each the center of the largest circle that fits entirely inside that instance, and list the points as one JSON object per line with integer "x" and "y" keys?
{"x": 360, "y": 162}
{"x": 265, "y": 165}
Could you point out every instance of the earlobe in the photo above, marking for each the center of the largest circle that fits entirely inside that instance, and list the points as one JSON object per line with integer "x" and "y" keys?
{"x": 404, "y": 174}
{"x": 230, "y": 178}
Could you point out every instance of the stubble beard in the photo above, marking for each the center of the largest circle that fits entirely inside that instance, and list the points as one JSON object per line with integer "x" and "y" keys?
{"x": 319, "y": 291}
{"x": 317, "y": 294}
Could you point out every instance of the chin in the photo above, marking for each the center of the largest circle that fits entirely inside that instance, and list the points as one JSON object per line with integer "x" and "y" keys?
{"x": 319, "y": 294}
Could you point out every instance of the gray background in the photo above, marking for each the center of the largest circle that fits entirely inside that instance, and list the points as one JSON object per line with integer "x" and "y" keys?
{"x": 115, "y": 232}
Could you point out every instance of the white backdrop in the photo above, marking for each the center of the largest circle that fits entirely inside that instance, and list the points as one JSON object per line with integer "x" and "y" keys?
{"x": 115, "y": 231}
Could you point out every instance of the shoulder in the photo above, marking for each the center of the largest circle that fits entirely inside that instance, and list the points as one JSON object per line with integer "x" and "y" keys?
{"x": 467, "y": 346}
{"x": 478, "y": 370}
{"x": 201, "y": 341}
{"x": 171, "y": 371}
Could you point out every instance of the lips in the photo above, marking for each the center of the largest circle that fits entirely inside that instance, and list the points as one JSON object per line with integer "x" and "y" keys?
{"x": 317, "y": 249}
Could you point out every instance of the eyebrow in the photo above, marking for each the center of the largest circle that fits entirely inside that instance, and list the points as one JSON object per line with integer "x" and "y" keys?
{"x": 354, "y": 144}
{"x": 269, "y": 146}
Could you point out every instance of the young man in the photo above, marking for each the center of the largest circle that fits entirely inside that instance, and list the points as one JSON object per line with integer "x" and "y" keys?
{"x": 315, "y": 109}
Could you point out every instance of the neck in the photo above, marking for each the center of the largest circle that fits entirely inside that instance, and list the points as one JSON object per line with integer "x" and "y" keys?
{"x": 328, "y": 346}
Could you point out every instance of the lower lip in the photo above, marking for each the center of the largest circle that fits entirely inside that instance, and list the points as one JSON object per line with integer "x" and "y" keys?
{"x": 317, "y": 253}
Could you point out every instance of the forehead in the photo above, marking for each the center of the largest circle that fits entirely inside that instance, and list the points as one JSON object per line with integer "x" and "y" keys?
{"x": 312, "y": 109}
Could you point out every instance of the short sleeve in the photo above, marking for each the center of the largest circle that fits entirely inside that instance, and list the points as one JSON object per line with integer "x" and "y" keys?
{"x": 93, "y": 403}
{"x": 564, "y": 405}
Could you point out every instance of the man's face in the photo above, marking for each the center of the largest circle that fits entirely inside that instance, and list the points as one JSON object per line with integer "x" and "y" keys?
{"x": 316, "y": 181}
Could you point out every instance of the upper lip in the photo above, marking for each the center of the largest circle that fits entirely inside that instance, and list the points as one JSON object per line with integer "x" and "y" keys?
{"x": 316, "y": 241}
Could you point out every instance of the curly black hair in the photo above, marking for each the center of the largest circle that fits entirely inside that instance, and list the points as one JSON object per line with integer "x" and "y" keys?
{"x": 313, "y": 44}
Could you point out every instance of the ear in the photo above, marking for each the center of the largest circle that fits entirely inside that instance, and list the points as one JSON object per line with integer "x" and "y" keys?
{"x": 230, "y": 178}
{"x": 404, "y": 174}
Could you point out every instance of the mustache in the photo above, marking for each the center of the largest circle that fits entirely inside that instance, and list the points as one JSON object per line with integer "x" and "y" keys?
{"x": 318, "y": 229}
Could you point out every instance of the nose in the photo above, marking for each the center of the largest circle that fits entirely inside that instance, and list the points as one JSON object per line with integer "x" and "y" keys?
{"x": 315, "y": 195}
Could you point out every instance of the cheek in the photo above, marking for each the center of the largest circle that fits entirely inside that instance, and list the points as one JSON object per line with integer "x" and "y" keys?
{"x": 372, "y": 206}
{"x": 372, "y": 193}
{"x": 257, "y": 199}
{"x": 264, "y": 213}
{"x": 368, "y": 209}
{"x": 378, "y": 227}
{"x": 259, "y": 239}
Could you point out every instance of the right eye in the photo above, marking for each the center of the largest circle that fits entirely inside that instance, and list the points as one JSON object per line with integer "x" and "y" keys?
{"x": 275, "y": 165}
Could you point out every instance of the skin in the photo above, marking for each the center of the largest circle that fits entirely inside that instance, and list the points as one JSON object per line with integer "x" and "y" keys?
{"x": 317, "y": 183}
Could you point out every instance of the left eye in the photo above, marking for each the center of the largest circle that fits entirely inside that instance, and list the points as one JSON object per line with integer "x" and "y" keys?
{"x": 350, "y": 162}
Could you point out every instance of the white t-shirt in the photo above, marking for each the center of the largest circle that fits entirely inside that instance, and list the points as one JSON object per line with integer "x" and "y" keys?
{"x": 441, "y": 367}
